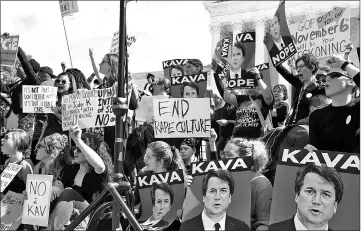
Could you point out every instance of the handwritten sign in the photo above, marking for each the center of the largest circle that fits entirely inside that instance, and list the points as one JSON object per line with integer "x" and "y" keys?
{"x": 68, "y": 7}
{"x": 181, "y": 118}
{"x": 9, "y": 50}
{"x": 8, "y": 175}
{"x": 39, "y": 99}
{"x": 145, "y": 109}
{"x": 88, "y": 109}
{"x": 36, "y": 207}
{"x": 324, "y": 35}
{"x": 11, "y": 210}
{"x": 114, "y": 48}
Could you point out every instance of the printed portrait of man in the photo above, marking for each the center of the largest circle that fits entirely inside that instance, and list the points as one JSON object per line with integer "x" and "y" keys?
{"x": 217, "y": 189}
{"x": 319, "y": 189}
{"x": 193, "y": 67}
{"x": 189, "y": 90}
{"x": 279, "y": 41}
{"x": 162, "y": 197}
{"x": 237, "y": 59}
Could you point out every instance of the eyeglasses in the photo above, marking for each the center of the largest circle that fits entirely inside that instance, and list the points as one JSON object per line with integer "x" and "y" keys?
{"x": 300, "y": 66}
{"x": 57, "y": 81}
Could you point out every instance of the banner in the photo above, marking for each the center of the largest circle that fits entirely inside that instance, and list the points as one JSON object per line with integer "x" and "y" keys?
{"x": 8, "y": 175}
{"x": 145, "y": 111}
{"x": 182, "y": 118}
{"x": 114, "y": 48}
{"x": 322, "y": 36}
{"x": 221, "y": 58}
{"x": 265, "y": 73}
{"x": 177, "y": 83}
{"x": 279, "y": 41}
{"x": 242, "y": 59}
{"x": 37, "y": 206}
{"x": 39, "y": 99}
{"x": 162, "y": 195}
{"x": 346, "y": 215}
{"x": 11, "y": 210}
{"x": 88, "y": 109}
{"x": 68, "y": 7}
{"x": 237, "y": 204}
{"x": 181, "y": 67}
{"x": 9, "y": 50}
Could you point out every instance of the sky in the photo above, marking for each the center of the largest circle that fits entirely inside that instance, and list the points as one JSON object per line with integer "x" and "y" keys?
{"x": 164, "y": 30}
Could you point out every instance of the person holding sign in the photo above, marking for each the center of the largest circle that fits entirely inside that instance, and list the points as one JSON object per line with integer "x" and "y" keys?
{"x": 83, "y": 179}
{"x": 14, "y": 143}
{"x": 217, "y": 189}
{"x": 319, "y": 189}
{"x": 162, "y": 197}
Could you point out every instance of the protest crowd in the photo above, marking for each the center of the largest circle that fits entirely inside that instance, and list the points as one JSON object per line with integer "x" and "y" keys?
{"x": 188, "y": 142}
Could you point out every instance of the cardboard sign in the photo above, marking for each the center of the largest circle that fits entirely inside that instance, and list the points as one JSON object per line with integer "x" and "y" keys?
{"x": 11, "y": 210}
{"x": 324, "y": 35}
{"x": 145, "y": 108}
{"x": 347, "y": 216}
{"x": 177, "y": 83}
{"x": 279, "y": 41}
{"x": 8, "y": 175}
{"x": 88, "y": 109}
{"x": 240, "y": 206}
{"x": 182, "y": 118}
{"x": 168, "y": 189}
{"x": 37, "y": 206}
{"x": 9, "y": 50}
{"x": 174, "y": 67}
{"x": 68, "y": 7}
{"x": 39, "y": 99}
{"x": 114, "y": 48}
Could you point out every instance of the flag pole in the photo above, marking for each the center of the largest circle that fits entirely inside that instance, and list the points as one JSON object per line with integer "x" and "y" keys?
{"x": 67, "y": 43}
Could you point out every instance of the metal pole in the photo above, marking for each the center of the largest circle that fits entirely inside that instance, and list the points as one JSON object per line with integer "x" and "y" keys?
{"x": 119, "y": 126}
{"x": 66, "y": 37}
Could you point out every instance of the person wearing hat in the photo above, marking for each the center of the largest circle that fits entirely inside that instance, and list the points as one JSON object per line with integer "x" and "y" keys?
{"x": 193, "y": 67}
{"x": 148, "y": 88}
{"x": 47, "y": 77}
{"x": 187, "y": 151}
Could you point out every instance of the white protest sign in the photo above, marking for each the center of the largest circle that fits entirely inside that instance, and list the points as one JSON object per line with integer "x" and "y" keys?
{"x": 88, "y": 109}
{"x": 324, "y": 35}
{"x": 9, "y": 50}
{"x": 145, "y": 108}
{"x": 114, "y": 48}
{"x": 8, "y": 175}
{"x": 182, "y": 118}
{"x": 39, "y": 99}
{"x": 11, "y": 210}
{"x": 36, "y": 207}
{"x": 68, "y": 7}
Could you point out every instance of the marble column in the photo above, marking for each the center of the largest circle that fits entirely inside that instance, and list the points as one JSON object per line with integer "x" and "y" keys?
{"x": 237, "y": 27}
{"x": 215, "y": 30}
{"x": 259, "y": 25}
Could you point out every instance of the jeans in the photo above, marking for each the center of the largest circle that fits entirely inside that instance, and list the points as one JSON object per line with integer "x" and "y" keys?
{"x": 68, "y": 200}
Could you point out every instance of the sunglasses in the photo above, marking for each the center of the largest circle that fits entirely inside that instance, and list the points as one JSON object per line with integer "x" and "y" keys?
{"x": 57, "y": 81}
{"x": 333, "y": 75}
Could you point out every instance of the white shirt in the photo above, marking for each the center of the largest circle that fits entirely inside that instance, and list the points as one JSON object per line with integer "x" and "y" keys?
{"x": 151, "y": 223}
{"x": 208, "y": 223}
{"x": 300, "y": 226}
{"x": 279, "y": 44}
{"x": 232, "y": 74}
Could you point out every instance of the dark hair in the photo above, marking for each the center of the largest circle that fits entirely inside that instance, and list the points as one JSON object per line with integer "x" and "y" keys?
{"x": 170, "y": 155}
{"x": 80, "y": 79}
{"x": 327, "y": 173}
{"x": 20, "y": 138}
{"x": 189, "y": 84}
{"x": 240, "y": 45}
{"x": 320, "y": 100}
{"x": 310, "y": 61}
{"x": 283, "y": 89}
{"x": 197, "y": 63}
{"x": 35, "y": 65}
{"x": 178, "y": 67}
{"x": 224, "y": 175}
{"x": 150, "y": 75}
{"x": 165, "y": 188}
{"x": 166, "y": 84}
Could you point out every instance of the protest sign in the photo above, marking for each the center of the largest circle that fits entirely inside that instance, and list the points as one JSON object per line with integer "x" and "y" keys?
{"x": 239, "y": 209}
{"x": 9, "y": 50}
{"x": 279, "y": 41}
{"x": 145, "y": 111}
{"x": 88, "y": 109}
{"x": 243, "y": 58}
{"x": 39, "y": 99}
{"x": 8, "y": 175}
{"x": 265, "y": 73}
{"x": 175, "y": 67}
{"x": 178, "y": 81}
{"x": 37, "y": 206}
{"x": 347, "y": 216}
{"x": 324, "y": 35}
{"x": 162, "y": 195}
{"x": 182, "y": 118}
{"x": 114, "y": 48}
{"x": 11, "y": 210}
{"x": 68, "y": 7}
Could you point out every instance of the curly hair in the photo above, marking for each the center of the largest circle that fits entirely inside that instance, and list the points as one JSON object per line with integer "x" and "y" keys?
{"x": 80, "y": 79}
{"x": 310, "y": 61}
{"x": 283, "y": 89}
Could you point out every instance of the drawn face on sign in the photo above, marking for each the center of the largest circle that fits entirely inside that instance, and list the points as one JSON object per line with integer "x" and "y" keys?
{"x": 7, "y": 144}
{"x": 275, "y": 29}
{"x": 316, "y": 202}
{"x": 237, "y": 59}
{"x": 162, "y": 204}
{"x": 218, "y": 197}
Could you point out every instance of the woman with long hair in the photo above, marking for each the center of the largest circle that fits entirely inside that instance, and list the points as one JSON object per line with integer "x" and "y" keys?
{"x": 280, "y": 108}
{"x": 82, "y": 180}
